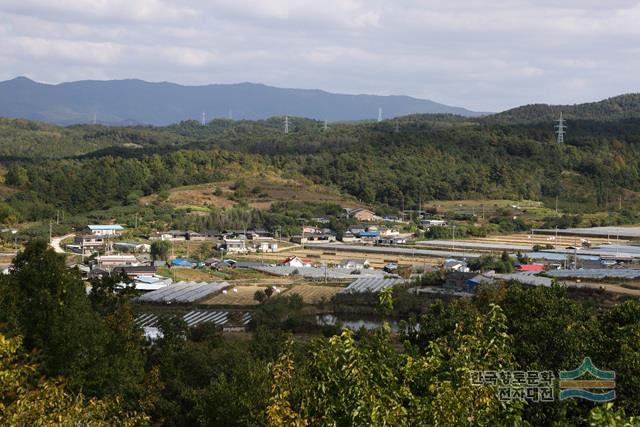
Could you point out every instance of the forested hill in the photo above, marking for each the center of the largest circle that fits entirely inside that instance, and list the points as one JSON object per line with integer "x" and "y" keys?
{"x": 616, "y": 108}
{"x": 389, "y": 163}
{"x": 122, "y": 102}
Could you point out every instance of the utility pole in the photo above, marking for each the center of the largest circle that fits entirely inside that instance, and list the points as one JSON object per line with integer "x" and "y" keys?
{"x": 50, "y": 232}
{"x": 533, "y": 239}
{"x": 556, "y": 205}
{"x": 325, "y": 273}
{"x": 453, "y": 237}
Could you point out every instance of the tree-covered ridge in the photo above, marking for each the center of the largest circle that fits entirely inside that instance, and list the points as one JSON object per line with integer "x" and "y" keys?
{"x": 616, "y": 108}
{"x": 389, "y": 163}
{"x": 23, "y": 139}
{"x": 99, "y": 182}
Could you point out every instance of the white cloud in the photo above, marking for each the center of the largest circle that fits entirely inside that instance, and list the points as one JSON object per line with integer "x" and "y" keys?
{"x": 484, "y": 55}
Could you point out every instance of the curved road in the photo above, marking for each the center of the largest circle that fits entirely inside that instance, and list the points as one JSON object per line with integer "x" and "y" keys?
{"x": 55, "y": 243}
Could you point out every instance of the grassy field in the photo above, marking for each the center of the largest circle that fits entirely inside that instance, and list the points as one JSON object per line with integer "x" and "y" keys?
{"x": 261, "y": 191}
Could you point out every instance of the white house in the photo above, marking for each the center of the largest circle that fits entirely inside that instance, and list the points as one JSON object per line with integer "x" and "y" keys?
{"x": 295, "y": 261}
{"x": 235, "y": 246}
{"x": 434, "y": 222}
{"x": 456, "y": 265}
{"x": 105, "y": 230}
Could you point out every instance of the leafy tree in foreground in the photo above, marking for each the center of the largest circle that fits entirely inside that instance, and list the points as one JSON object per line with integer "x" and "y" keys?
{"x": 28, "y": 400}
{"x": 91, "y": 341}
{"x": 341, "y": 381}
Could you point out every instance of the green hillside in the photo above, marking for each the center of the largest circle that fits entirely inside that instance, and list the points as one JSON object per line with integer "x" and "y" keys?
{"x": 390, "y": 163}
{"x": 616, "y": 108}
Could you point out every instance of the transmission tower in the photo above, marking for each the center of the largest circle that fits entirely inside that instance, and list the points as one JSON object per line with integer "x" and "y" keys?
{"x": 561, "y": 129}
{"x": 379, "y": 114}
{"x": 286, "y": 124}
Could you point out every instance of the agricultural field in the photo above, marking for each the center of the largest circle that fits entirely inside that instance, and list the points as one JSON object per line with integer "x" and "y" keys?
{"x": 238, "y": 295}
{"x": 313, "y": 294}
{"x": 188, "y": 274}
{"x": 543, "y": 239}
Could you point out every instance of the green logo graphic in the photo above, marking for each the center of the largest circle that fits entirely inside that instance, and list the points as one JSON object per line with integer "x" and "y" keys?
{"x": 572, "y": 386}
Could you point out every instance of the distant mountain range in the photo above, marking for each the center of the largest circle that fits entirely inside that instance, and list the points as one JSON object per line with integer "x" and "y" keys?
{"x": 122, "y": 102}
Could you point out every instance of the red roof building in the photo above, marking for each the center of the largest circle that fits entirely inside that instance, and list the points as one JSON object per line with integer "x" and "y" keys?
{"x": 530, "y": 267}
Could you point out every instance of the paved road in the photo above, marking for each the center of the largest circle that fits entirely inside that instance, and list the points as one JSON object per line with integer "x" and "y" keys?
{"x": 473, "y": 245}
{"x": 55, "y": 243}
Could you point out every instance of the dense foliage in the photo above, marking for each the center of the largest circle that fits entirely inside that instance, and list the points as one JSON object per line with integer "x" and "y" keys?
{"x": 428, "y": 158}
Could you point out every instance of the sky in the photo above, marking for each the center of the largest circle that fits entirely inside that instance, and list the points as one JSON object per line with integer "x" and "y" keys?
{"x": 487, "y": 55}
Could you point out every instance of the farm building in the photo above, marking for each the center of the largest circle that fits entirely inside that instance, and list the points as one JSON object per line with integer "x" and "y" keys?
{"x": 354, "y": 264}
{"x": 110, "y": 261}
{"x": 131, "y": 247}
{"x": 183, "y": 293}
{"x": 151, "y": 283}
{"x": 361, "y": 214}
{"x": 179, "y": 262}
{"x": 370, "y": 285}
{"x": 136, "y": 271}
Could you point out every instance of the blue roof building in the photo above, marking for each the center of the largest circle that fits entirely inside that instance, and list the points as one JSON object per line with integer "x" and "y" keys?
{"x": 179, "y": 262}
